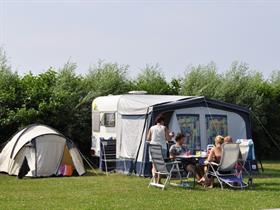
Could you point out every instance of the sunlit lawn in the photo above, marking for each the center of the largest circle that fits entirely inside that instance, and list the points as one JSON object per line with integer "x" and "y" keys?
{"x": 129, "y": 192}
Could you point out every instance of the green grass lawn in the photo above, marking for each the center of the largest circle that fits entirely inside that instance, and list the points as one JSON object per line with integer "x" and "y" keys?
{"x": 129, "y": 192}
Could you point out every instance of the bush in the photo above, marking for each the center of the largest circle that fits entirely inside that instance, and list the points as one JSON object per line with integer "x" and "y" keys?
{"x": 62, "y": 99}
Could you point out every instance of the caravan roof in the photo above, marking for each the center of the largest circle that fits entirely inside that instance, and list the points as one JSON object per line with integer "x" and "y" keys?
{"x": 141, "y": 104}
{"x": 132, "y": 104}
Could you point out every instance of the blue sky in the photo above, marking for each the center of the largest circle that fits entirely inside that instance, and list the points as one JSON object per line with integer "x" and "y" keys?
{"x": 39, "y": 34}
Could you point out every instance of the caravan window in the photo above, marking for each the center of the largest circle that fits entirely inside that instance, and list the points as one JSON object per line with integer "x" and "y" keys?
{"x": 108, "y": 120}
{"x": 215, "y": 125}
{"x": 190, "y": 127}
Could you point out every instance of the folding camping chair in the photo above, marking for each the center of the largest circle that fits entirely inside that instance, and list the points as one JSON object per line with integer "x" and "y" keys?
{"x": 225, "y": 171}
{"x": 244, "y": 151}
{"x": 161, "y": 167}
{"x": 108, "y": 155}
{"x": 248, "y": 155}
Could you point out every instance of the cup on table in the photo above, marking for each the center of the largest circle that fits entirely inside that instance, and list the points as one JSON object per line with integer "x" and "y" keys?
{"x": 203, "y": 154}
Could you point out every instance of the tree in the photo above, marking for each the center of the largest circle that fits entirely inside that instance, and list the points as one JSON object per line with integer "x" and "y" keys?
{"x": 152, "y": 80}
{"x": 10, "y": 96}
{"x": 62, "y": 99}
{"x": 201, "y": 80}
{"x": 175, "y": 86}
{"x": 107, "y": 78}
{"x": 62, "y": 110}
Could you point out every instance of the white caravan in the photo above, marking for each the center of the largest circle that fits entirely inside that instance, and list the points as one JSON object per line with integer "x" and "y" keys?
{"x": 127, "y": 119}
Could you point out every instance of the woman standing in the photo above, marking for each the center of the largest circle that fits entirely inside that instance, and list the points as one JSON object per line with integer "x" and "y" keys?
{"x": 158, "y": 134}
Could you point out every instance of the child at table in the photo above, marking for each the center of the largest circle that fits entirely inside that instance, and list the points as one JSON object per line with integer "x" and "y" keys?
{"x": 179, "y": 149}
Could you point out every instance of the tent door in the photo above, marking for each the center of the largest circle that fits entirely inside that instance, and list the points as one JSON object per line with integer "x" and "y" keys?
{"x": 49, "y": 153}
{"x": 29, "y": 153}
{"x": 76, "y": 158}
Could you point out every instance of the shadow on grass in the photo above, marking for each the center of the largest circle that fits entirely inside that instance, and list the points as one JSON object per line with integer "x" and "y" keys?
{"x": 94, "y": 173}
{"x": 261, "y": 187}
{"x": 271, "y": 186}
{"x": 269, "y": 173}
{"x": 88, "y": 173}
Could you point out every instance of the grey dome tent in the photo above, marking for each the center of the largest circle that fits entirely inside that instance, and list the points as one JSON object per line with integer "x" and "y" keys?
{"x": 45, "y": 149}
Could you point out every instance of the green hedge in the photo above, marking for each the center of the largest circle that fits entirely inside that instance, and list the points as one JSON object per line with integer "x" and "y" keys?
{"x": 62, "y": 99}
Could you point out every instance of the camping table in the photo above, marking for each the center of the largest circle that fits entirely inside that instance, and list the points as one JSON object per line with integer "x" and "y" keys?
{"x": 192, "y": 159}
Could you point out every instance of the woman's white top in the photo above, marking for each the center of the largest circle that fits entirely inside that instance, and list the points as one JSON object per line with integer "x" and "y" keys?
{"x": 158, "y": 135}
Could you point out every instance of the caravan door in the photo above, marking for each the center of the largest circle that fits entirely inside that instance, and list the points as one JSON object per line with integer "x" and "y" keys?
{"x": 129, "y": 133}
